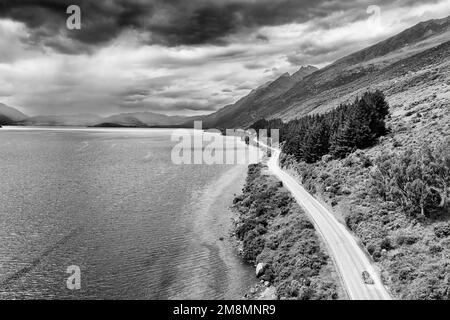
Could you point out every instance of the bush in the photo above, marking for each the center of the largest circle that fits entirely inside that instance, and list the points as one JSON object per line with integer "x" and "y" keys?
{"x": 353, "y": 219}
{"x": 371, "y": 249}
{"x": 442, "y": 230}
{"x": 406, "y": 239}
{"x": 253, "y": 246}
{"x": 435, "y": 249}
{"x": 407, "y": 274}
{"x": 434, "y": 284}
{"x": 417, "y": 179}
{"x": 386, "y": 244}
{"x": 366, "y": 162}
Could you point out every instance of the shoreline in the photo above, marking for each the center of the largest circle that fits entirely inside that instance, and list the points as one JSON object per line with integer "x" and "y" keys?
{"x": 226, "y": 276}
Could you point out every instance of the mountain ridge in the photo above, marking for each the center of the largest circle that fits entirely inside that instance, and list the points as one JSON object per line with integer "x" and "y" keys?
{"x": 136, "y": 119}
{"x": 226, "y": 116}
{"x": 340, "y": 81}
{"x": 309, "y": 90}
{"x": 10, "y": 115}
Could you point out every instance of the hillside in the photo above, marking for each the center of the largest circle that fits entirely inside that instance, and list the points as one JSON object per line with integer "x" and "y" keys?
{"x": 393, "y": 65}
{"x": 256, "y": 103}
{"x": 392, "y": 193}
{"x": 9, "y": 115}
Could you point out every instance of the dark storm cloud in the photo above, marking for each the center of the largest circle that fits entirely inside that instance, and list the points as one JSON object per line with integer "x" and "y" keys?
{"x": 167, "y": 22}
{"x": 207, "y": 53}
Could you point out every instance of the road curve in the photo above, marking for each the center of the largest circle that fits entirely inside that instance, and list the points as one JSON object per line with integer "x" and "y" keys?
{"x": 349, "y": 259}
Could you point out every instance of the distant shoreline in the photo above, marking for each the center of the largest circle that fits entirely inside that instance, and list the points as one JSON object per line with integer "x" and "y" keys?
{"x": 117, "y": 126}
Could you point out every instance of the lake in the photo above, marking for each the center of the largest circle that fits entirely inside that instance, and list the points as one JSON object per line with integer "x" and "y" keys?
{"x": 112, "y": 202}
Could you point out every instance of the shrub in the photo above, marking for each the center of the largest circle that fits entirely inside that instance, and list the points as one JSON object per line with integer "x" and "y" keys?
{"x": 407, "y": 274}
{"x": 353, "y": 219}
{"x": 406, "y": 239}
{"x": 386, "y": 244}
{"x": 253, "y": 246}
{"x": 417, "y": 180}
{"x": 371, "y": 248}
{"x": 442, "y": 230}
{"x": 435, "y": 249}
{"x": 366, "y": 162}
{"x": 244, "y": 227}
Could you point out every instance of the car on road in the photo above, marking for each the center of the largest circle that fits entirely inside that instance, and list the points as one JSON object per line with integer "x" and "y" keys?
{"x": 367, "y": 278}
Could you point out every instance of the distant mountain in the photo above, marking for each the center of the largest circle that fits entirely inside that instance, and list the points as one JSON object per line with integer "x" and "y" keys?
{"x": 310, "y": 90}
{"x": 138, "y": 119}
{"x": 249, "y": 108}
{"x": 398, "y": 66}
{"x": 142, "y": 119}
{"x": 62, "y": 120}
{"x": 9, "y": 115}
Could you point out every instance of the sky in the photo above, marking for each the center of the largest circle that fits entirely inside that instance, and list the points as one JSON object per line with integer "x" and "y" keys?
{"x": 179, "y": 57}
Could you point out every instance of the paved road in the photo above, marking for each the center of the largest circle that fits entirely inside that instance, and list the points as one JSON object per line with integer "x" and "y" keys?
{"x": 349, "y": 258}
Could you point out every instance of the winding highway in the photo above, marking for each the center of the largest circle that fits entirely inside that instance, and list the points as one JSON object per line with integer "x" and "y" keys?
{"x": 350, "y": 260}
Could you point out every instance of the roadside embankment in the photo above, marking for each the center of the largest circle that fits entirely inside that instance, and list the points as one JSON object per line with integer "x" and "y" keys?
{"x": 276, "y": 235}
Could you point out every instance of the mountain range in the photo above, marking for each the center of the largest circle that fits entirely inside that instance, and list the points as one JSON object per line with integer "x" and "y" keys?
{"x": 396, "y": 66}
{"x": 391, "y": 65}
{"x": 11, "y": 116}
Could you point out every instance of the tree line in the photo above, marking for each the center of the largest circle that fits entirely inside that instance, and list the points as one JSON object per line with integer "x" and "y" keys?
{"x": 350, "y": 126}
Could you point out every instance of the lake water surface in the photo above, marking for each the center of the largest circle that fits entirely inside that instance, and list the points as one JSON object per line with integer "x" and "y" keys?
{"x": 111, "y": 202}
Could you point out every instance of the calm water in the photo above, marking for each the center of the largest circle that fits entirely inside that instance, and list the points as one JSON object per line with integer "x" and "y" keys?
{"x": 112, "y": 203}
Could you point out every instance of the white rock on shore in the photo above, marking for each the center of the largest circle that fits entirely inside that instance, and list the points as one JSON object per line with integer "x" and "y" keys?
{"x": 269, "y": 294}
{"x": 260, "y": 268}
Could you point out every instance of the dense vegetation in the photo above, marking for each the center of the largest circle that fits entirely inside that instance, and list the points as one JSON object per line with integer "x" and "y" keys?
{"x": 418, "y": 180}
{"x": 394, "y": 194}
{"x": 352, "y": 126}
{"x": 275, "y": 231}
{"x": 396, "y": 202}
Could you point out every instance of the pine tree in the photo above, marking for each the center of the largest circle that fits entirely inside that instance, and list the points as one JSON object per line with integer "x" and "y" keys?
{"x": 343, "y": 141}
{"x": 357, "y": 125}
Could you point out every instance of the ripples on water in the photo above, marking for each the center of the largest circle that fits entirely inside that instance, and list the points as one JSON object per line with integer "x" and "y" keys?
{"x": 111, "y": 202}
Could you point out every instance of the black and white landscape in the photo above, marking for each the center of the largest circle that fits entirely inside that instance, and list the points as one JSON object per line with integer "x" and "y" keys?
{"x": 97, "y": 98}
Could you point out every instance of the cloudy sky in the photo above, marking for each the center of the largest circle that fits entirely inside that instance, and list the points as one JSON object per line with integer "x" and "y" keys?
{"x": 178, "y": 56}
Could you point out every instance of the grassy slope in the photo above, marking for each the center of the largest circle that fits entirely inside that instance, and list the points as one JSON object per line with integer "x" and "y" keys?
{"x": 414, "y": 254}
{"x": 394, "y": 73}
{"x": 274, "y": 230}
